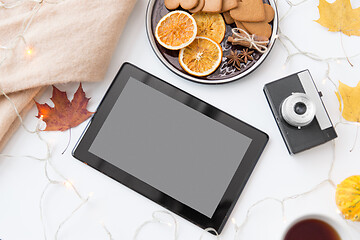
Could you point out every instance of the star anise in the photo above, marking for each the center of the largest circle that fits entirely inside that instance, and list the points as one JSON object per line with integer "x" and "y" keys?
{"x": 246, "y": 55}
{"x": 234, "y": 59}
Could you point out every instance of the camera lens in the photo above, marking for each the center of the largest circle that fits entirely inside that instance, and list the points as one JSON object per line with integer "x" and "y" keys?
{"x": 300, "y": 108}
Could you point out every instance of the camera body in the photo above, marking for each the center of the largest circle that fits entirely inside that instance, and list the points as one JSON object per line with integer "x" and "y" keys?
{"x": 299, "y": 112}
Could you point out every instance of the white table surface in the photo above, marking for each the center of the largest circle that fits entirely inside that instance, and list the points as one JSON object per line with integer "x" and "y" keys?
{"x": 277, "y": 174}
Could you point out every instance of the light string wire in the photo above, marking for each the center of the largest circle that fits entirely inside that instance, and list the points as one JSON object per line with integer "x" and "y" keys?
{"x": 11, "y": 45}
{"x": 282, "y": 38}
{"x": 156, "y": 218}
{"x": 209, "y": 230}
{"x": 107, "y": 231}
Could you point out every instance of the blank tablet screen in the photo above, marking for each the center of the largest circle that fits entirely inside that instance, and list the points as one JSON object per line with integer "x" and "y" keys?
{"x": 170, "y": 146}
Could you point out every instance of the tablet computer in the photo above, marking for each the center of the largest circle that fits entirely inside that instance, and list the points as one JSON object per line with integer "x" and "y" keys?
{"x": 171, "y": 147}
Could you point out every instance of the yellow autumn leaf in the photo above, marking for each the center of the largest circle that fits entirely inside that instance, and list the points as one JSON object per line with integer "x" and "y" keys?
{"x": 339, "y": 17}
{"x": 351, "y": 100}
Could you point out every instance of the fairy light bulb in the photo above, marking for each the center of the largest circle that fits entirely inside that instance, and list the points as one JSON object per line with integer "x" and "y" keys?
{"x": 285, "y": 220}
{"x": 338, "y": 211}
{"x": 29, "y": 51}
{"x": 233, "y": 220}
{"x": 68, "y": 184}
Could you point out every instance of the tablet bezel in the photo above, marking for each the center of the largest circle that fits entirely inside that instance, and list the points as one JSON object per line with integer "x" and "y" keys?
{"x": 237, "y": 184}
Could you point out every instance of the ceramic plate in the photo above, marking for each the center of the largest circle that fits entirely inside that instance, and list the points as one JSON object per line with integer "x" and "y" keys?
{"x": 225, "y": 73}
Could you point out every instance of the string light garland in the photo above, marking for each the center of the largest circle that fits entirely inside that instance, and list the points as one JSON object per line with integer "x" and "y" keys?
{"x": 65, "y": 182}
{"x": 11, "y": 45}
{"x": 157, "y": 217}
{"x": 107, "y": 231}
{"x": 29, "y": 51}
{"x": 282, "y": 38}
{"x": 209, "y": 230}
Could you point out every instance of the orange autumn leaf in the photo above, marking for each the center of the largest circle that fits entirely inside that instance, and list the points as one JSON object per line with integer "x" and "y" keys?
{"x": 339, "y": 17}
{"x": 351, "y": 100}
{"x": 64, "y": 114}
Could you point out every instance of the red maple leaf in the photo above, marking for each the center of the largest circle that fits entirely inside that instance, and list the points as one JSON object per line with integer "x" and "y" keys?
{"x": 64, "y": 114}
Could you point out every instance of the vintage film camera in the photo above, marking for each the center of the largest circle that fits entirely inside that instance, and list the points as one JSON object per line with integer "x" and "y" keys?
{"x": 299, "y": 112}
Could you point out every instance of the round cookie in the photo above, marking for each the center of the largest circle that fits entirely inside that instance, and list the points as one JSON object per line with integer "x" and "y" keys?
{"x": 185, "y": 4}
{"x": 227, "y": 5}
{"x": 212, "y": 6}
{"x": 249, "y": 11}
{"x": 261, "y": 28}
{"x": 228, "y": 19}
{"x": 240, "y": 25}
{"x": 269, "y": 13}
{"x": 171, "y": 4}
{"x": 199, "y": 7}
{"x": 258, "y": 28}
{"x": 188, "y": 4}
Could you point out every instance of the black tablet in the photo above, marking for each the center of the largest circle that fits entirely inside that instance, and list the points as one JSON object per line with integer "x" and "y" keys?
{"x": 171, "y": 147}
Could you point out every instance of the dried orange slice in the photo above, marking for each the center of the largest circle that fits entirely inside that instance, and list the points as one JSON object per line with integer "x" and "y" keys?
{"x": 211, "y": 25}
{"x": 202, "y": 57}
{"x": 176, "y": 30}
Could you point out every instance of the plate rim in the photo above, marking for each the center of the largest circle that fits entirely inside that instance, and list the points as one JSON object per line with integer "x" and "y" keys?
{"x": 157, "y": 52}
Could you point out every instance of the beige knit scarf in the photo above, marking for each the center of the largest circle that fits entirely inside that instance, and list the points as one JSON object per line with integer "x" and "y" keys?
{"x": 72, "y": 41}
